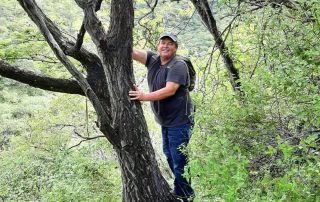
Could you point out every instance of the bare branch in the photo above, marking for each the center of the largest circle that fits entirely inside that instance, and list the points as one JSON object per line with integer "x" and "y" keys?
{"x": 89, "y": 60}
{"x": 39, "y": 81}
{"x": 36, "y": 58}
{"x": 145, "y": 15}
{"x": 77, "y": 144}
{"x": 106, "y": 41}
{"x": 291, "y": 4}
{"x": 84, "y": 139}
{"x": 79, "y": 41}
{"x": 88, "y": 138}
{"x": 205, "y": 13}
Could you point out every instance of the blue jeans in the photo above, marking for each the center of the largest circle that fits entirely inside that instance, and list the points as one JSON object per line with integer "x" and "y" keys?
{"x": 173, "y": 139}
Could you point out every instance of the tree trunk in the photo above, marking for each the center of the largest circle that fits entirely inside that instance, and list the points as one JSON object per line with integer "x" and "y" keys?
{"x": 141, "y": 176}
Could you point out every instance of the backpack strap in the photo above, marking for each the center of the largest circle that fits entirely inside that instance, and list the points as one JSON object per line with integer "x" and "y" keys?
{"x": 170, "y": 64}
{"x": 180, "y": 59}
{"x": 155, "y": 58}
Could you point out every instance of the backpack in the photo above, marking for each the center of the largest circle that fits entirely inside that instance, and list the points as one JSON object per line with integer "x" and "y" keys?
{"x": 191, "y": 71}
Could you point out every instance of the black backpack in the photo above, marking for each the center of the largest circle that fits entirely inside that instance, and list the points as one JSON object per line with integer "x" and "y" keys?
{"x": 191, "y": 71}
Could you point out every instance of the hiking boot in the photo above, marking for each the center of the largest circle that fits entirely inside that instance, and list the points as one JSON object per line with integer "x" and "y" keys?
{"x": 191, "y": 197}
{"x": 183, "y": 198}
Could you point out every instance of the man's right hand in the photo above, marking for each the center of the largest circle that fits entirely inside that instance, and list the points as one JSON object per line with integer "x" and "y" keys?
{"x": 136, "y": 94}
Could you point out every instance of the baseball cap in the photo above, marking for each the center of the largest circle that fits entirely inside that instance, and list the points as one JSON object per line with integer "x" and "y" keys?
{"x": 171, "y": 35}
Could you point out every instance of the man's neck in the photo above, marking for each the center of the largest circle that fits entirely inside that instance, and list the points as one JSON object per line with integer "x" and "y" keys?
{"x": 165, "y": 60}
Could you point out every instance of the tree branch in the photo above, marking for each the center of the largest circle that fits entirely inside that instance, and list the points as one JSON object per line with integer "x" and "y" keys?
{"x": 87, "y": 138}
{"x": 35, "y": 58}
{"x": 291, "y": 4}
{"x": 84, "y": 139}
{"x": 91, "y": 62}
{"x": 82, "y": 32}
{"x": 77, "y": 144}
{"x": 149, "y": 31}
{"x": 35, "y": 13}
{"x": 39, "y": 81}
{"x": 207, "y": 17}
{"x": 107, "y": 41}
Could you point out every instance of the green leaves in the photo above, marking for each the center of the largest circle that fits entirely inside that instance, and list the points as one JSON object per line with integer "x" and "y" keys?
{"x": 277, "y": 56}
{"x": 59, "y": 176}
{"x": 218, "y": 169}
{"x": 36, "y": 163}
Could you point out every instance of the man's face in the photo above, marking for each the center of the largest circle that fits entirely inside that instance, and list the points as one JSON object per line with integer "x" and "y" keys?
{"x": 167, "y": 48}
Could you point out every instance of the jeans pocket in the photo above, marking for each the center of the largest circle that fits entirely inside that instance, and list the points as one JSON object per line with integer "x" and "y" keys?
{"x": 185, "y": 137}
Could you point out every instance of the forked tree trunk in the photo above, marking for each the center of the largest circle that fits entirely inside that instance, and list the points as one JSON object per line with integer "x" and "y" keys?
{"x": 141, "y": 176}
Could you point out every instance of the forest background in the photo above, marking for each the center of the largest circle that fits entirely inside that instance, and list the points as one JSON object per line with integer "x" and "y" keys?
{"x": 260, "y": 145}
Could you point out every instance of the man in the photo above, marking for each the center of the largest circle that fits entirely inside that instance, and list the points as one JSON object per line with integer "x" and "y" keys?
{"x": 171, "y": 104}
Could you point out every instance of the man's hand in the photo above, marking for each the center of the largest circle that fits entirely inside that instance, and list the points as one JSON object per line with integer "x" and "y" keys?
{"x": 169, "y": 90}
{"x": 136, "y": 94}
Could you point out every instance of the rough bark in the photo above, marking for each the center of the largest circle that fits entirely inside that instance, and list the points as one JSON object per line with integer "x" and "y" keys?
{"x": 207, "y": 17}
{"x": 110, "y": 77}
{"x": 40, "y": 81}
{"x": 141, "y": 177}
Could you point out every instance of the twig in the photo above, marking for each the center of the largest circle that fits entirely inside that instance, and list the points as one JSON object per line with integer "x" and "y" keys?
{"x": 87, "y": 138}
{"x": 259, "y": 47}
{"x": 145, "y": 15}
{"x": 187, "y": 22}
{"x": 33, "y": 59}
{"x": 84, "y": 139}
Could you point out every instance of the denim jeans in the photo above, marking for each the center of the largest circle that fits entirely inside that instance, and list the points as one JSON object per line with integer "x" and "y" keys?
{"x": 173, "y": 139}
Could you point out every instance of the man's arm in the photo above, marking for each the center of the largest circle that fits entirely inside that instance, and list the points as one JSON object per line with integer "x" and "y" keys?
{"x": 169, "y": 90}
{"x": 139, "y": 55}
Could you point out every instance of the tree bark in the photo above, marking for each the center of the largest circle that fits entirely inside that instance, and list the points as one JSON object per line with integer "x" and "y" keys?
{"x": 119, "y": 119}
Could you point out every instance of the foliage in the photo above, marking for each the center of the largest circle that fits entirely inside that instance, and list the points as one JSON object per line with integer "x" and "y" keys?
{"x": 219, "y": 169}
{"x": 38, "y": 164}
{"x": 271, "y": 135}
{"x": 30, "y": 174}
{"x": 300, "y": 182}
{"x": 15, "y": 107}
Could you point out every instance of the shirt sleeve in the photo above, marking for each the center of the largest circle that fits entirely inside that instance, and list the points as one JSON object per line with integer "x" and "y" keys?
{"x": 150, "y": 59}
{"x": 178, "y": 73}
